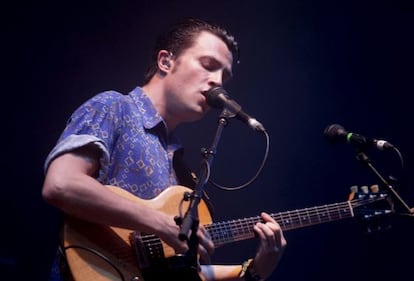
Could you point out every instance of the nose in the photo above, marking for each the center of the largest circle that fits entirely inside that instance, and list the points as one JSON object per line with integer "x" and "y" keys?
{"x": 216, "y": 79}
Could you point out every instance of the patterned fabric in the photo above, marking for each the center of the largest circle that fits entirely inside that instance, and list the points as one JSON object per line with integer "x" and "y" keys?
{"x": 137, "y": 151}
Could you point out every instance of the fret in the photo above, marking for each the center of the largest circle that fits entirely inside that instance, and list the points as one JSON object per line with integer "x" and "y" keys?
{"x": 314, "y": 215}
{"x": 327, "y": 212}
{"x": 290, "y": 219}
{"x": 297, "y": 218}
{"x": 219, "y": 232}
{"x": 346, "y": 211}
{"x": 305, "y": 218}
{"x": 317, "y": 213}
{"x": 234, "y": 230}
{"x": 283, "y": 221}
{"x": 337, "y": 211}
{"x": 238, "y": 227}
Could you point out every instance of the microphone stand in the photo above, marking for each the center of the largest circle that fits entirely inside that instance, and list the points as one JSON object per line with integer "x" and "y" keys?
{"x": 363, "y": 158}
{"x": 190, "y": 221}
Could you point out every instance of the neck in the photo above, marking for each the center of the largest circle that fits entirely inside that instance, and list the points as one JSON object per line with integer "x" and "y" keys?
{"x": 154, "y": 89}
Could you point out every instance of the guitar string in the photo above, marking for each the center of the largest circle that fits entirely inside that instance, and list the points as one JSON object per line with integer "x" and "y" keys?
{"x": 296, "y": 217}
{"x": 239, "y": 228}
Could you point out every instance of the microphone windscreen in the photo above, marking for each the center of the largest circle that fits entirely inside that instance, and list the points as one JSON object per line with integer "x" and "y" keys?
{"x": 334, "y": 132}
{"x": 215, "y": 96}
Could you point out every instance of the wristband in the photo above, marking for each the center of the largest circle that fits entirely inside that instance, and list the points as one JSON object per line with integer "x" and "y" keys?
{"x": 249, "y": 273}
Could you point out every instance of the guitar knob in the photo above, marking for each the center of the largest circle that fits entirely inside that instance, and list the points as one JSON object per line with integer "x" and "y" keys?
{"x": 354, "y": 189}
{"x": 374, "y": 188}
{"x": 364, "y": 189}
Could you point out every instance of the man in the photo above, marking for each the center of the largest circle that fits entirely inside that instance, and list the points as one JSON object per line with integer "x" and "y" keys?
{"x": 128, "y": 141}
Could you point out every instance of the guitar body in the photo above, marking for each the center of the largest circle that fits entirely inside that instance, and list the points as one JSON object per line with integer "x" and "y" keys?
{"x": 102, "y": 253}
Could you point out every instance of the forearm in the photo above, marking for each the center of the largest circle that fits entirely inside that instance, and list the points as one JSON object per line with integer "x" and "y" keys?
{"x": 80, "y": 195}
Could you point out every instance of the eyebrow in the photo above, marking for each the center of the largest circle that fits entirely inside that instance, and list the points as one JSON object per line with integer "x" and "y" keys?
{"x": 228, "y": 74}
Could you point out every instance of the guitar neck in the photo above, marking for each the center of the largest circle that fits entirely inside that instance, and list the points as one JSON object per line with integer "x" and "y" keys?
{"x": 236, "y": 230}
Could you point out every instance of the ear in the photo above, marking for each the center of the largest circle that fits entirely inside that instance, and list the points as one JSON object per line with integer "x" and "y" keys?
{"x": 164, "y": 61}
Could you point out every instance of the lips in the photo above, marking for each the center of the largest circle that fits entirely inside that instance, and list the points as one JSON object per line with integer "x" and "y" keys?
{"x": 205, "y": 104}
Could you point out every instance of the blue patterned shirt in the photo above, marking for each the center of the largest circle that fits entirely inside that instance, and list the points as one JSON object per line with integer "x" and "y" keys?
{"x": 137, "y": 150}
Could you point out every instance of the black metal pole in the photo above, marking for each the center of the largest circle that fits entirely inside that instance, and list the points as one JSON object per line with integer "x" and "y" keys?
{"x": 363, "y": 158}
{"x": 190, "y": 222}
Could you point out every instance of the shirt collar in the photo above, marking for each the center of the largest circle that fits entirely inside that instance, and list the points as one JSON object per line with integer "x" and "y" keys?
{"x": 151, "y": 117}
{"x": 152, "y": 120}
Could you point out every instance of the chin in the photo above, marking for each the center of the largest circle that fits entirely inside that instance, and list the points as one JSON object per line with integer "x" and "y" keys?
{"x": 198, "y": 116}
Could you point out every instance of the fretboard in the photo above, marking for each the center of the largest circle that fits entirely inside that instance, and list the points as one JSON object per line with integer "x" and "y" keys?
{"x": 242, "y": 229}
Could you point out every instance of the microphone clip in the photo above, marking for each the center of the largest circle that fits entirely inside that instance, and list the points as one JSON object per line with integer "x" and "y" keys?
{"x": 227, "y": 114}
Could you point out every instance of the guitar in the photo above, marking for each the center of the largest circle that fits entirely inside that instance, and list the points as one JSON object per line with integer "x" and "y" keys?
{"x": 100, "y": 253}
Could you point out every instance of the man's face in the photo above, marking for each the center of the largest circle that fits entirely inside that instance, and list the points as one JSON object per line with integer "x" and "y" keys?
{"x": 205, "y": 64}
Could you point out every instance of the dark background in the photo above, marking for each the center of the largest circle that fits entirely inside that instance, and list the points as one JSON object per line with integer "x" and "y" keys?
{"x": 304, "y": 65}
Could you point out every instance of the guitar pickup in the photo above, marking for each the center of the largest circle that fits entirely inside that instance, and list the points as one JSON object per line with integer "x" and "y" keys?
{"x": 148, "y": 249}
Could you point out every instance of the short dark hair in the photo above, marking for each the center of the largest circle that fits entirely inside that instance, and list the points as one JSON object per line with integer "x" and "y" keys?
{"x": 180, "y": 37}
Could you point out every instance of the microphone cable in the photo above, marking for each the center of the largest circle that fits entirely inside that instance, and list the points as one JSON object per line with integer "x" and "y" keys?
{"x": 258, "y": 172}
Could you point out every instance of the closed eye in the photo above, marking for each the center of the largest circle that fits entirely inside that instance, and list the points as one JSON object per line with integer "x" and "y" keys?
{"x": 211, "y": 64}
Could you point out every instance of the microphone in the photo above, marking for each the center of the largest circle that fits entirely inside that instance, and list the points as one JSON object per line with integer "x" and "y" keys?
{"x": 337, "y": 134}
{"x": 217, "y": 97}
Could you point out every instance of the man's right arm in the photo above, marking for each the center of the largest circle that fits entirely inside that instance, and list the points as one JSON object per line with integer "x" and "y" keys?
{"x": 70, "y": 185}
